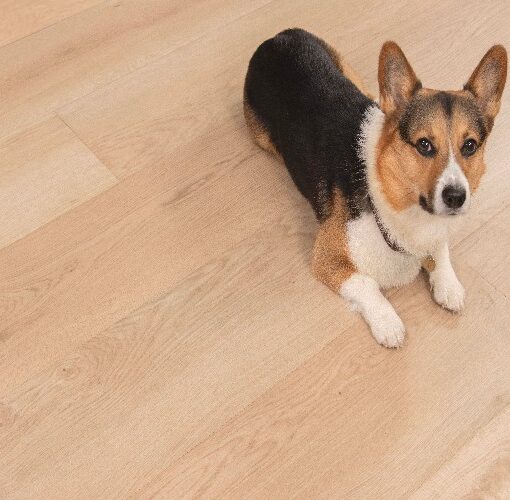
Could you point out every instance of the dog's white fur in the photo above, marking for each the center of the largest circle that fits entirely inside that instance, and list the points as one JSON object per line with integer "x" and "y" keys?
{"x": 373, "y": 257}
{"x": 452, "y": 176}
{"x": 447, "y": 289}
{"x": 418, "y": 232}
{"x": 363, "y": 293}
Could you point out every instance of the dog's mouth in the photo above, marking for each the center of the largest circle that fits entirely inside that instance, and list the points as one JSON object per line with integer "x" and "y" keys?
{"x": 451, "y": 213}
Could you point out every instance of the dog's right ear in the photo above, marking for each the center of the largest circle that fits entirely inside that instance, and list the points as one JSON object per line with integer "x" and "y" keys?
{"x": 397, "y": 80}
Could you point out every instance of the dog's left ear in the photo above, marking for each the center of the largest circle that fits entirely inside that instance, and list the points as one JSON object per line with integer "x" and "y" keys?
{"x": 488, "y": 81}
{"x": 397, "y": 80}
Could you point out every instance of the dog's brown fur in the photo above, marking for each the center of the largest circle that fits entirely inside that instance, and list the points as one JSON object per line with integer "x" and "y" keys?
{"x": 331, "y": 263}
{"x": 259, "y": 133}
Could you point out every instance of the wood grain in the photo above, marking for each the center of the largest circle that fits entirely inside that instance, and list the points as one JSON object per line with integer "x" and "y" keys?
{"x": 184, "y": 355}
{"x": 479, "y": 249}
{"x": 21, "y": 18}
{"x": 360, "y": 422}
{"x": 68, "y": 289}
{"x": 45, "y": 171}
{"x": 161, "y": 333}
{"x": 70, "y": 59}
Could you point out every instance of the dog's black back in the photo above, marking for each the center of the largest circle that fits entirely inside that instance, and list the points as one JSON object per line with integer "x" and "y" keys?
{"x": 312, "y": 114}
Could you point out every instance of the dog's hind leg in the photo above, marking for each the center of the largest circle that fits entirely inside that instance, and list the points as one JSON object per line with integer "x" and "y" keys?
{"x": 257, "y": 129}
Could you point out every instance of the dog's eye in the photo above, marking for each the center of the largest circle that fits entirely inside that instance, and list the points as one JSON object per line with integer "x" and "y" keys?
{"x": 425, "y": 147}
{"x": 469, "y": 147}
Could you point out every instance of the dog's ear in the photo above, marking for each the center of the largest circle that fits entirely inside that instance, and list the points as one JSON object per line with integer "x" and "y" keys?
{"x": 488, "y": 81}
{"x": 397, "y": 80}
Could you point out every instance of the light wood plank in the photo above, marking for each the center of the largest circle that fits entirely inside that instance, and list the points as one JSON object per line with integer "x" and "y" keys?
{"x": 95, "y": 264}
{"x": 45, "y": 171}
{"x": 480, "y": 469}
{"x": 360, "y": 422}
{"x": 487, "y": 249}
{"x": 21, "y": 18}
{"x": 51, "y": 68}
{"x": 204, "y": 358}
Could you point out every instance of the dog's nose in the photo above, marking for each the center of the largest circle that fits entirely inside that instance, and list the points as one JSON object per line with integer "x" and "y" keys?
{"x": 454, "y": 196}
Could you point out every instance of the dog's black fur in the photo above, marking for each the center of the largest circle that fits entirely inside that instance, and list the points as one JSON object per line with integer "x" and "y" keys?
{"x": 313, "y": 115}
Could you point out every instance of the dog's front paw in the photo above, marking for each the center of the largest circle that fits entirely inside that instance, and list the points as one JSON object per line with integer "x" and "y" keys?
{"x": 448, "y": 292}
{"x": 387, "y": 328}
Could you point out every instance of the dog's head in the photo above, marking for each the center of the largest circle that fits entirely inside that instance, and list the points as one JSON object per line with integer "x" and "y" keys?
{"x": 432, "y": 143}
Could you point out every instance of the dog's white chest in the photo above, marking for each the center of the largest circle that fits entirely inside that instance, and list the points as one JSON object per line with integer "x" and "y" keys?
{"x": 372, "y": 256}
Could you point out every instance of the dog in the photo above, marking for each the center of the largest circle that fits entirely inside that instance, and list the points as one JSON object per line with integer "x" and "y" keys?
{"x": 387, "y": 180}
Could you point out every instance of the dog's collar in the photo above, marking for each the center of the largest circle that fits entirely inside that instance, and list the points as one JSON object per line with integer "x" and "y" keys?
{"x": 390, "y": 242}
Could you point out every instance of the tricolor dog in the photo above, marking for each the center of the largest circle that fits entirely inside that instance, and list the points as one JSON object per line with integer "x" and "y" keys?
{"x": 386, "y": 180}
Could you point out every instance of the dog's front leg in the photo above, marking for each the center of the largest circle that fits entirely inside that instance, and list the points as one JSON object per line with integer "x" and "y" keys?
{"x": 446, "y": 288}
{"x": 364, "y": 295}
{"x": 332, "y": 265}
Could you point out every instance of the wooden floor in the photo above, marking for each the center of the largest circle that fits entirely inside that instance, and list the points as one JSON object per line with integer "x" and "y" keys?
{"x": 160, "y": 330}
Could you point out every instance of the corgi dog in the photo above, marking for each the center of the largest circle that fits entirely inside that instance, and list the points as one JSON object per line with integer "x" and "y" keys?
{"x": 387, "y": 180}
